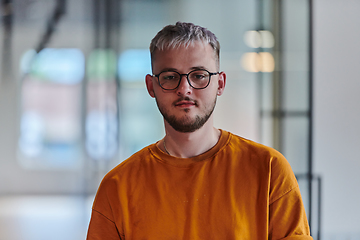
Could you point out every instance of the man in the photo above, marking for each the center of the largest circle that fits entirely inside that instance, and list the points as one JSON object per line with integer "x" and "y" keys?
{"x": 198, "y": 182}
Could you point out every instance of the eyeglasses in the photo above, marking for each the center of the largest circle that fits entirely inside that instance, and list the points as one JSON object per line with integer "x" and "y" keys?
{"x": 197, "y": 79}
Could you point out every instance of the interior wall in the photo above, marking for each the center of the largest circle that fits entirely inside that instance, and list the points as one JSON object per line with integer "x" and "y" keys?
{"x": 337, "y": 114}
{"x": 236, "y": 110}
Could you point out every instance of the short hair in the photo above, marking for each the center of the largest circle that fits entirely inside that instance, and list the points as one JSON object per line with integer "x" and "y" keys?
{"x": 184, "y": 34}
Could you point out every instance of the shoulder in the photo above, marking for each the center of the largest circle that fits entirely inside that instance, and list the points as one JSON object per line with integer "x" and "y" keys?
{"x": 131, "y": 164}
{"x": 122, "y": 177}
{"x": 258, "y": 151}
{"x": 267, "y": 160}
{"x": 253, "y": 149}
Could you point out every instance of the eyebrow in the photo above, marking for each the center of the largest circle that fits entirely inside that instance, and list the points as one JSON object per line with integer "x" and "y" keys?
{"x": 198, "y": 68}
{"x": 191, "y": 69}
{"x": 169, "y": 69}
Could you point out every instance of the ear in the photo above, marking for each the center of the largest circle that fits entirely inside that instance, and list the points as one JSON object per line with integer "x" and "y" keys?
{"x": 221, "y": 83}
{"x": 149, "y": 85}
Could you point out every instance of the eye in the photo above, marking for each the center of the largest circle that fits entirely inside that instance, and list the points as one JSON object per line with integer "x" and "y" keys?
{"x": 169, "y": 76}
{"x": 199, "y": 75}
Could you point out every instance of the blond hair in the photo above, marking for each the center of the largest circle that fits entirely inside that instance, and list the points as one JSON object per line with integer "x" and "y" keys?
{"x": 182, "y": 35}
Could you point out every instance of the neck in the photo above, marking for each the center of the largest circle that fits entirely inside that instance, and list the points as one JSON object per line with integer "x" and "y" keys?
{"x": 186, "y": 145}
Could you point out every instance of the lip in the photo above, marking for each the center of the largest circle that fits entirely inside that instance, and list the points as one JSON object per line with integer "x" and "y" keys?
{"x": 184, "y": 104}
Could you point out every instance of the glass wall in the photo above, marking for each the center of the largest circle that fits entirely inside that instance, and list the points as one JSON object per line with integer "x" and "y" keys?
{"x": 73, "y": 101}
{"x": 286, "y": 100}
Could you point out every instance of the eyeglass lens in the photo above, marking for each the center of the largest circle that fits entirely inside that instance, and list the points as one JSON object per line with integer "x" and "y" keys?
{"x": 198, "y": 79}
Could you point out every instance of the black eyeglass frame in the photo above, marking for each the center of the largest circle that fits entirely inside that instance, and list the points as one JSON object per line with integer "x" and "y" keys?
{"x": 187, "y": 78}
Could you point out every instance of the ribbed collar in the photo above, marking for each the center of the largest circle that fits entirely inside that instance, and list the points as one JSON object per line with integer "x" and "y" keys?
{"x": 187, "y": 162}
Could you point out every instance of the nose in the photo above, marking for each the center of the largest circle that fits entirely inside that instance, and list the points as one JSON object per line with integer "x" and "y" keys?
{"x": 184, "y": 87}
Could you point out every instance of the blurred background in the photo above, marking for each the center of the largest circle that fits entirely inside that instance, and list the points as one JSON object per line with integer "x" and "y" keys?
{"x": 73, "y": 102}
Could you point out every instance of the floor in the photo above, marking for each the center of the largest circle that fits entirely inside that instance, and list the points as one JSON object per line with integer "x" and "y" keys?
{"x": 44, "y": 217}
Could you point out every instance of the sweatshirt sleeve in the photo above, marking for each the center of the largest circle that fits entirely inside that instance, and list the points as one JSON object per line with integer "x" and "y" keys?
{"x": 287, "y": 216}
{"x": 102, "y": 228}
{"x": 103, "y": 224}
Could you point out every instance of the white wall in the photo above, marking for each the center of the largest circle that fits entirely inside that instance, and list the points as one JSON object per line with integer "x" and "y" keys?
{"x": 337, "y": 114}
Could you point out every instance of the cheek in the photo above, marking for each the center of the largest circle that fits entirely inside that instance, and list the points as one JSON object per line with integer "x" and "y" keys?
{"x": 209, "y": 98}
{"x": 213, "y": 91}
{"x": 162, "y": 97}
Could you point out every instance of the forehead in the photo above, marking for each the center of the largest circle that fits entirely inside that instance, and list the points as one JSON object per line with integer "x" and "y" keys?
{"x": 184, "y": 57}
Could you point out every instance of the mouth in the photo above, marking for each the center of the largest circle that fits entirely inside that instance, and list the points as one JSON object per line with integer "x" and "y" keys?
{"x": 185, "y": 103}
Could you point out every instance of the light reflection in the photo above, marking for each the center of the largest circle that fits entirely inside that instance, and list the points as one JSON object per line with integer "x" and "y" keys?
{"x": 252, "y": 39}
{"x": 258, "y": 62}
{"x": 257, "y": 39}
{"x": 250, "y": 62}
{"x": 267, "y": 39}
{"x": 267, "y": 62}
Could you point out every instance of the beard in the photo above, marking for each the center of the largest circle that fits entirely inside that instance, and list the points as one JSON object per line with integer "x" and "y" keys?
{"x": 187, "y": 124}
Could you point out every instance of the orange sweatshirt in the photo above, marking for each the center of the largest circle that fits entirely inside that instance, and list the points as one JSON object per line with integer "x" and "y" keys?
{"x": 239, "y": 189}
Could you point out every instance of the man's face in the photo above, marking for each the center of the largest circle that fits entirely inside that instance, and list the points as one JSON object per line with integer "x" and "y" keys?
{"x": 186, "y": 109}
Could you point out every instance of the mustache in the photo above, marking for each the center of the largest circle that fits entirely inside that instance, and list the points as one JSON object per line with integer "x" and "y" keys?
{"x": 185, "y": 99}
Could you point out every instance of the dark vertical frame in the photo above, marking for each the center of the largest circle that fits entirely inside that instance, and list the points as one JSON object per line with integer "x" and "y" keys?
{"x": 7, "y": 21}
{"x": 96, "y": 6}
{"x": 311, "y": 176}
{"x": 106, "y": 21}
{"x": 278, "y": 95}
{"x": 310, "y": 107}
{"x": 279, "y": 114}
{"x": 59, "y": 12}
